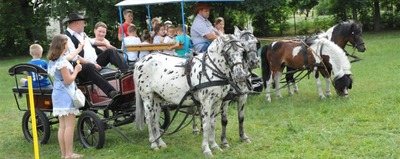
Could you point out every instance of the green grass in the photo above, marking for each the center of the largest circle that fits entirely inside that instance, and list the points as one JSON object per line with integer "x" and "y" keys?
{"x": 364, "y": 125}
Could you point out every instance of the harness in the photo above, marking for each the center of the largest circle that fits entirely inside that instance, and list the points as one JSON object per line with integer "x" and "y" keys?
{"x": 224, "y": 80}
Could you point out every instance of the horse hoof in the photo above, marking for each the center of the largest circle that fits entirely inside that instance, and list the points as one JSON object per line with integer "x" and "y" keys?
{"x": 225, "y": 145}
{"x": 196, "y": 132}
{"x": 217, "y": 148}
{"x": 208, "y": 154}
{"x": 247, "y": 140}
{"x": 268, "y": 100}
{"x": 162, "y": 145}
{"x": 322, "y": 97}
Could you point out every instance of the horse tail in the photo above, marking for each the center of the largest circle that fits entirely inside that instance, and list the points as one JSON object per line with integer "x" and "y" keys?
{"x": 139, "y": 114}
{"x": 266, "y": 72}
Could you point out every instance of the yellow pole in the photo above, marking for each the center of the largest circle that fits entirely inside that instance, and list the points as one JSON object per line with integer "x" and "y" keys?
{"x": 33, "y": 117}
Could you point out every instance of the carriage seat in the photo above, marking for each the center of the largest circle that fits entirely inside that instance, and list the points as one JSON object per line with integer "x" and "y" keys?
{"x": 21, "y": 70}
{"x": 47, "y": 90}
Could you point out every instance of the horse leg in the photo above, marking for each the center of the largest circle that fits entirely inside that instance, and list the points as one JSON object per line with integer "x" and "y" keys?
{"x": 328, "y": 86}
{"x": 196, "y": 129}
{"x": 157, "y": 112}
{"x": 224, "y": 123}
{"x": 319, "y": 85}
{"x": 208, "y": 119}
{"x": 149, "y": 113}
{"x": 296, "y": 89}
{"x": 277, "y": 79}
{"x": 268, "y": 90}
{"x": 240, "y": 109}
{"x": 215, "y": 111}
{"x": 289, "y": 79}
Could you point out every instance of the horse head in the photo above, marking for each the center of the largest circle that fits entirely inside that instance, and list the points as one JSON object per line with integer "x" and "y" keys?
{"x": 343, "y": 84}
{"x": 232, "y": 51}
{"x": 356, "y": 37}
{"x": 250, "y": 44}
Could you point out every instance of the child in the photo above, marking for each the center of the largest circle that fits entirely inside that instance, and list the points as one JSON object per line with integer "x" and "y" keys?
{"x": 170, "y": 39}
{"x": 35, "y": 50}
{"x": 128, "y": 16}
{"x": 219, "y": 25}
{"x": 158, "y": 37}
{"x": 100, "y": 41}
{"x": 132, "y": 39}
{"x": 64, "y": 76}
{"x": 181, "y": 39}
{"x": 146, "y": 39}
{"x": 155, "y": 21}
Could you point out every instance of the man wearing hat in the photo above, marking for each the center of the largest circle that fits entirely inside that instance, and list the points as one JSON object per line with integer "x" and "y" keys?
{"x": 202, "y": 31}
{"x": 91, "y": 62}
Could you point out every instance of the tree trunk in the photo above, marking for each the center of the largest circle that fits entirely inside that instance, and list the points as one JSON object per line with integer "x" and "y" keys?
{"x": 294, "y": 22}
{"x": 354, "y": 10}
{"x": 377, "y": 16}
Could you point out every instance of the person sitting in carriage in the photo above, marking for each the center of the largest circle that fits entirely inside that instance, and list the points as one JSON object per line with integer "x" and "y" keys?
{"x": 202, "y": 31}
{"x": 91, "y": 62}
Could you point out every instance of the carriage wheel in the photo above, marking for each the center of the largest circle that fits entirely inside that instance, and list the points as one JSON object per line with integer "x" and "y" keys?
{"x": 42, "y": 126}
{"x": 91, "y": 130}
{"x": 165, "y": 118}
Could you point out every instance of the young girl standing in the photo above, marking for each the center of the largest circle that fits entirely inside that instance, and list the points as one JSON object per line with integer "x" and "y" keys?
{"x": 64, "y": 76}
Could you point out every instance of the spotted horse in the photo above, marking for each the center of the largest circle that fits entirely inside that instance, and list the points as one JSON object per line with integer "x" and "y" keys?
{"x": 204, "y": 79}
{"x": 251, "y": 61}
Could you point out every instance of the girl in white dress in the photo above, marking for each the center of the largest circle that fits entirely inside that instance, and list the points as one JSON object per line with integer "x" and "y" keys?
{"x": 64, "y": 79}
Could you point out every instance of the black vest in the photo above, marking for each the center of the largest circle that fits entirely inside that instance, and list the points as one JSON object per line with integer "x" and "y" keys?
{"x": 75, "y": 41}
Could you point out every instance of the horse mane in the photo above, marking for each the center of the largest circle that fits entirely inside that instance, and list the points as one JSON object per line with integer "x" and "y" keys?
{"x": 337, "y": 57}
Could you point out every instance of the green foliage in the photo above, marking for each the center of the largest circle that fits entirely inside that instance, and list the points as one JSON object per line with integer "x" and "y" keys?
{"x": 20, "y": 28}
{"x": 304, "y": 27}
{"x": 322, "y": 23}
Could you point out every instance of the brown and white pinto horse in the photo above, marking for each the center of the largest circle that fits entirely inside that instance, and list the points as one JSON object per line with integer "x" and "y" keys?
{"x": 345, "y": 32}
{"x": 298, "y": 55}
{"x": 340, "y": 34}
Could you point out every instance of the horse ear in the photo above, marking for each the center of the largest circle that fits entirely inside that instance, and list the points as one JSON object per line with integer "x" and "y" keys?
{"x": 237, "y": 31}
{"x": 250, "y": 28}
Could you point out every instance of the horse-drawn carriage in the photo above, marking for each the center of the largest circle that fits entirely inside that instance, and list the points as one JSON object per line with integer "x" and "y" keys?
{"x": 99, "y": 113}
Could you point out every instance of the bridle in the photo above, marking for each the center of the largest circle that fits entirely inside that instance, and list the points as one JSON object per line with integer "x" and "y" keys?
{"x": 241, "y": 37}
{"x": 226, "y": 55}
{"x": 355, "y": 46}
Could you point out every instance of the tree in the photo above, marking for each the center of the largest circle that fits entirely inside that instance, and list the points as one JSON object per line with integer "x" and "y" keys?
{"x": 377, "y": 16}
{"x": 20, "y": 27}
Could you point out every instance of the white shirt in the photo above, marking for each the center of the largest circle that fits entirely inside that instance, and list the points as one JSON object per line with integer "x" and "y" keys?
{"x": 169, "y": 40}
{"x": 90, "y": 53}
{"x": 132, "y": 40}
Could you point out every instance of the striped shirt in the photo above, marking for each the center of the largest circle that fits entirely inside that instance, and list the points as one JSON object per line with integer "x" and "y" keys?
{"x": 200, "y": 28}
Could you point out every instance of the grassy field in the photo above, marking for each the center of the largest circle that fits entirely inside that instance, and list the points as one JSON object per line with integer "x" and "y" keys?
{"x": 364, "y": 125}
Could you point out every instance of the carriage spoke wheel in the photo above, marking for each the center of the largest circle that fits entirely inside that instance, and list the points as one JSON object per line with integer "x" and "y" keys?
{"x": 42, "y": 126}
{"x": 91, "y": 130}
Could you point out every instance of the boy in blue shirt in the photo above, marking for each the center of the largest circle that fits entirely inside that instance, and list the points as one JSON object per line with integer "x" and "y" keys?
{"x": 180, "y": 38}
{"x": 36, "y": 51}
